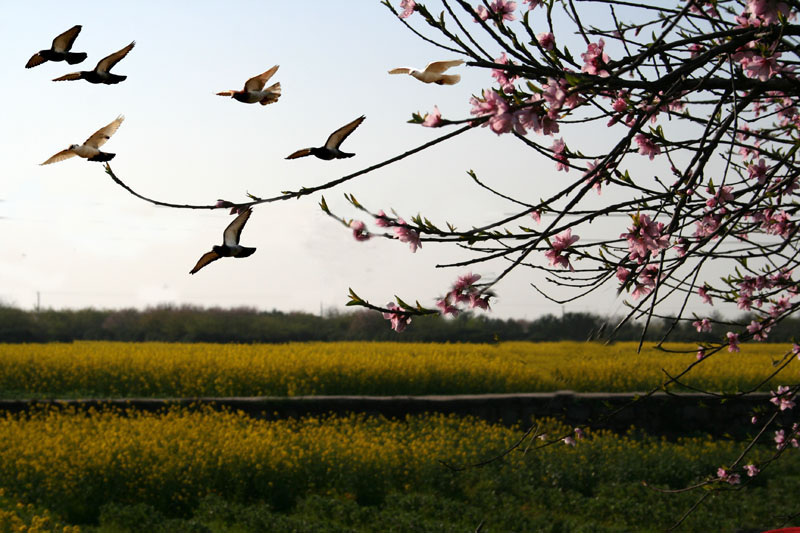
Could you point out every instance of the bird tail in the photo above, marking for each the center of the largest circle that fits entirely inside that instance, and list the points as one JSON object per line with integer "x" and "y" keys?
{"x": 69, "y": 77}
{"x": 75, "y": 57}
{"x": 449, "y": 79}
{"x": 274, "y": 92}
{"x": 246, "y": 252}
{"x": 102, "y": 157}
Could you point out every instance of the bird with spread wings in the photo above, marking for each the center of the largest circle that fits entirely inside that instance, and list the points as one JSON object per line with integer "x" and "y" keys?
{"x": 90, "y": 149}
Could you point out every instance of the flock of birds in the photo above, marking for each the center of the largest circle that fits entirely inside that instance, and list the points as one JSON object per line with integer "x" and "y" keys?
{"x": 254, "y": 91}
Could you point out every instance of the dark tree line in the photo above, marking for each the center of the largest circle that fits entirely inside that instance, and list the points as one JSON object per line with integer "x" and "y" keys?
{"x": 246, "y": 325}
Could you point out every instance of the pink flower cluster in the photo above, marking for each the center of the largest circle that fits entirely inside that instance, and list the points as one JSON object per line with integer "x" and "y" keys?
{"x": 502, "y": 119}
{"x": 463, "y": 292}
{"x": 645, "y": 238}
{"x": 782, "y": 398}
{"x": 782, "y": 440}
{"x": 500, "y": 9}
{"x": 402, "y": 230}
{"x": 360, "y": 232}
{"x": 433, "y": 119}
{"x": 595, "y": 59}
{"x": 397, "y": 317}
{"x": 560, "y": 243}
{"x": 732, "y": 478}
{"x": 763, "y": 12}
{"x": 505, "y": 81}
{"x": 408, "y": 7}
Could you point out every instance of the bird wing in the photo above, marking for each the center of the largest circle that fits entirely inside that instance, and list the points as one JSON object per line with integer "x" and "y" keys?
{"x": 69, "y": 77}
{"x": 440, "y": 66}
{"x": 206, "y": 259}
{"x": 60, "y": 156}
{"x": 100, "y": 137}
{"x": 226, "y": 93}
{"x": 35, "y": 60}
{"x": 256, "y": 83}
{"x": 231, "y": 234}
{"x": 337, "y": 137}
{"x": 300, "y": 153}
{"x": 107, "y": 62}
{"x": 400, "y": 70}
{"x": 63, "y": 42}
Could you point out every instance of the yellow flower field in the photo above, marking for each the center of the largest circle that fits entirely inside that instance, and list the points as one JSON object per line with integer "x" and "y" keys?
{"x": 73, "y": 462}
{"x": 109, "y": 369}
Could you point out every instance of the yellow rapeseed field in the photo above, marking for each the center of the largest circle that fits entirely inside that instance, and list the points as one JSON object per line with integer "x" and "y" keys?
{"x": 73, "y": 462}
{"x": 112, "y": 369}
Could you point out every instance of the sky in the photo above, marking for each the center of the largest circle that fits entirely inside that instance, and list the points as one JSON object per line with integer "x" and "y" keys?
{"x": 74, "y": 239}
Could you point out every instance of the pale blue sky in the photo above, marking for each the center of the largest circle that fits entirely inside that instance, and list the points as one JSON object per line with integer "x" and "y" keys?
{"x": 79, "y": 240}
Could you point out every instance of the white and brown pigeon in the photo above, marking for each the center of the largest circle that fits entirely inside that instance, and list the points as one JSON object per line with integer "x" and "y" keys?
{"x": 254, "y": 90}
{"x": 433, "y": 72}
{"x": 90, "y": 149}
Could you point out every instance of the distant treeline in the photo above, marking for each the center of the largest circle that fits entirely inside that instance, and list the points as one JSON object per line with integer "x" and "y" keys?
{"x": 245, "y": 325}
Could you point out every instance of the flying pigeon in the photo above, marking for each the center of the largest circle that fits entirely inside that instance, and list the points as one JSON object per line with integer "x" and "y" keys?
{"x": 90, "y": 149}
{"x": 331, "y": 148}
{"x": 60, "y": 50}
{"x": 101, "y": 73}
{"x": 254, "y": 90}
{"x": 230, "y": 243}
{"x": 433, "y": 72}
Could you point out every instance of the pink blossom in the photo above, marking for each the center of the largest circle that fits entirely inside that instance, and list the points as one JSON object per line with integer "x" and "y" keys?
{"x": 505, "y": 81}
{"x": 733, "y": 341}
{"x": 561, "y": 242}
{"x": 382, "y": 219}
{"x": 496, "y": 107}
{"x": 360, "y": 232}
{"x": 782, "y": 398}
{"x": 408, "y": 7}
{"x": 579, "y": 434}
{"x": 569, "y": 441}
{"x": 759, "y": 330}
{"x": 640, "y": 291}
{"x": 702, "y": 292}
{"x": 433, "y": 119}
{"x": 504, "y": 9}
{"x": 536, "y": 215}
{"x": 532, "y": 3}
{"x": 767, "y": 11}
{"x": 724, "y": 475}
{"x": 481, "y": 302}
{"x": 796, "y": 350}
{"x": 647, "y": 146}
{"x": 445, "y": 307}
{"x": 559, "y": 149}
{"x": 546, "y": 40}
{"x": 780, "y": 439}
{"x": 482, "y": 12}
{"x": 466, "y": 281}
{"x": 398, "y": 319}
{"x": 762, "y": 68}
{"x": 645, "y": 238}
{"x": 723, "y": 196}
{"x": 622, "y": 274}
{"x": 701, "y": 352}
{"x": 752, "y": 470}
{"x": 407, "y": 234}
{"x": 758, "y": 171}
{"x": 702, "y": 325}
{"x": 595, "y": 59}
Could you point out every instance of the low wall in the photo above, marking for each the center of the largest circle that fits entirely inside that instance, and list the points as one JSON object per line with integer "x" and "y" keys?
{"x": 660, "y": 413}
